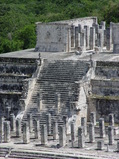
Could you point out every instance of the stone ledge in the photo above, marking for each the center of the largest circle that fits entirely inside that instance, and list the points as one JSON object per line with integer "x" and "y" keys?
{"x": 104, "y": 97}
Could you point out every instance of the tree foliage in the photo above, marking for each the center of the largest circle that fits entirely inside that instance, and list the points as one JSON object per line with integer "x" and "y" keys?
{"x": 18, "y": 17}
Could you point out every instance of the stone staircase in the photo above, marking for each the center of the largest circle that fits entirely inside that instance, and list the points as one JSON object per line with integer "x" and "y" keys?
{"x": 62, "y": 77}
{"x": 3, "y": 151}
{"x": 13, "y": 72}
{"x": 44, "y": 153}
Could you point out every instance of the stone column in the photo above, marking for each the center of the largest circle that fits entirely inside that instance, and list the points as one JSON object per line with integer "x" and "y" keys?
{"x": 58, "y": 102}
{"x": 30, "y": 122}
{"x": 84, "y": 125}
{"x": 87, "y": 35}
{"x": 84, "y": 32}
{"x": 101, "y": 128}
{"x": 92, "y": 38}
{"x": 68, "y": 41}
{"x": 76, "y": 38}
{"x": 39, "y": 102}
{"x": 55, "y": 130}
{"x": 110, "y": 135}
{"x": 73, "y": 135}
{"x": 12, "y": 122}
{"x": 91, "y": 132}
{"x": 72, "y": 36}
{"x": 100, "y": 145}
{"x": 62, "y": 136}
{"x": 26, "y": 134}
{"x": 93, "y": 118}
{"x": 65, "y": 121}
{"x": 7, "y": 112}
{"x": 18, "y": 128}
{"x": 44, "y": 137}
{"x": 82, "y": 42}
{"x": 103, "y": 24}
{"x": 105, "y": 38}
{"x": 115, "y": 37}
{"x": 6, "y": 131}
{"x": 108, "y": 39}
{"x": 48, "y": 122}
{"x": 101, "y": 39}
{"x": 22, "y": 104}
{"x": 36, "y": 129}
{"x": 81, "y": 140}
{"x": 111, "y": 119}
{"x": 117, "y": 146}
{"x": 1, "y": 129}
{"x": 96, "y": 26}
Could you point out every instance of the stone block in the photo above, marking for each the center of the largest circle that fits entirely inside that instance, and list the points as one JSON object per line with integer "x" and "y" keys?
{"x": 100, "y": 145}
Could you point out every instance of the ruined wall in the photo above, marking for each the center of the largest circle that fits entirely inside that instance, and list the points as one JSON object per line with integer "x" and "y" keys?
{"x": 52, "y": 37}
{"x": 10, "y": 100}
{"x": 104, "y": 106}
{"x": 89, "y": 21}
{"x": 57, "y": 36}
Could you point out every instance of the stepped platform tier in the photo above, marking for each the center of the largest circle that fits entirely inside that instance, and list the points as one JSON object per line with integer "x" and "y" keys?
{"x": 104, "y": 89}
{"x": 14, "y": 74}
{"x": 61, "y": 98}
{"x": 57, "y": 90}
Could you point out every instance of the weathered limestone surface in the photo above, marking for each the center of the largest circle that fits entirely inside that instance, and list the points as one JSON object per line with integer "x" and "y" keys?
{"x": 117, "y": 146}
{"x": 73, "y": 133}
{"x": 104, "y": 88}
{"x": 111, "y": 135}
{"x": 12, "y": 122}
{"x": 7, "y": 133}
{"x": 115, "y": 37}
{"x": 62, "y": 136}
{"x": 44, "y": 135}
{"x": 30, "y": 122}
{"x": 39, "y": 102}
{"x": 100, "y": 145}
{"x": 84, "y": 125}
{"x": 92, "y": 38}
{"x": 93, "y": 118}
{"x": 37, "y": 129}
{"x": 101, "y": 127}
{"x": 48, "y": 122}
{"x": 1, "y": 129}
{"x": 55, "y": 130}
{"x": 54, "y": 35}
{"x": 59, "y": 36}
{"x": 111, "y": 119}
{"x": 66, "y": 75}
{"x": 18, "y": 128}
{"x": 26, "y": 133}
{"x": 13, "y": 87}
{"x": 91, "y": 133}
{"x": 81, "y": 140}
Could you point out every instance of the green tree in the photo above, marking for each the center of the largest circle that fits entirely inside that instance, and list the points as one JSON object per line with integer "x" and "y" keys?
{"x": 27, "y": 36}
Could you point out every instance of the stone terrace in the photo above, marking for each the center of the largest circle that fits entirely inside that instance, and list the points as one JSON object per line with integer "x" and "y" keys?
{"x": 13, "y": 73}
{"x": 15, "y": 147}
{"x": 104, "y": 87}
